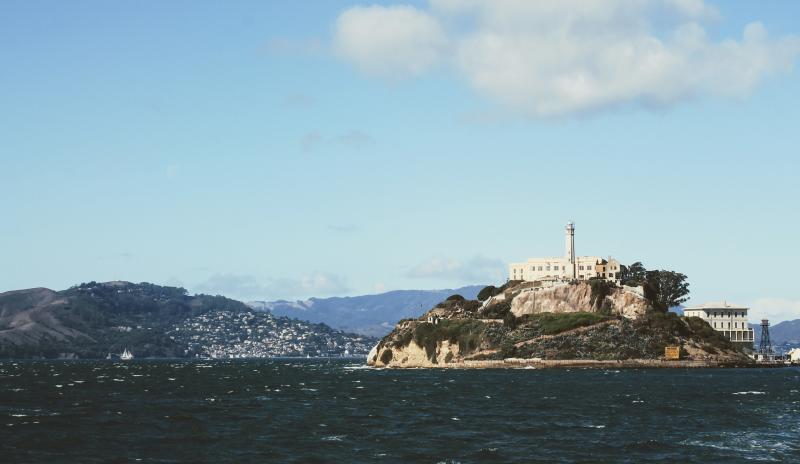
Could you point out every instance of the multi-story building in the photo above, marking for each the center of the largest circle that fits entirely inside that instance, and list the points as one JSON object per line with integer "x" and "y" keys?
{"x": 726, "y": 318}
{"x": 570, "y": 267}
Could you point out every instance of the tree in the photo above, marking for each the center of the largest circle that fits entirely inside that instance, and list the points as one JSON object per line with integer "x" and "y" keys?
{"x": 634, "y": 275}
{"x": 487, "y": 293}
{"x": 666, "y": 289}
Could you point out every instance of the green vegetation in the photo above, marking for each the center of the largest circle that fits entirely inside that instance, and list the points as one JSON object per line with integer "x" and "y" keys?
{"x": 498, "y": 310}
{"x": 601, "y": 288}
{"x": 634, "y": 275}
{"x": 704, "y": 331}
{"x": 468, "y": 333}
{"x": 455, "y": 298}
{"x": 488, "y": 292}
{"x": 667, "y": 288}
{"x": 386, "y": 356}
{"x": 664, "y": 289}
{"x": 110, "y": 316}
{"x": 554, "y": 323}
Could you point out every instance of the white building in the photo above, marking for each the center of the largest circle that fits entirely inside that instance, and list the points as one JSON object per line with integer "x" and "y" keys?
{"x": 793, "y": 355}
{"x": 730, "y": 320}
{"x": 567, "y": 268}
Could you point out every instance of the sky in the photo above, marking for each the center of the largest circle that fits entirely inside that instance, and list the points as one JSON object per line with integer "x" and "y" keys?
{"x": 266, "y": 150}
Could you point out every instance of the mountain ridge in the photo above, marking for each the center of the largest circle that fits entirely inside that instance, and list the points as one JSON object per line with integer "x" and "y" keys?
{"x": 373, "y": 315}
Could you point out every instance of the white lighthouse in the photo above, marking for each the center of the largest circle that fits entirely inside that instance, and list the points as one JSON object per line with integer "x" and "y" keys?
{"x": 570, "y": 255}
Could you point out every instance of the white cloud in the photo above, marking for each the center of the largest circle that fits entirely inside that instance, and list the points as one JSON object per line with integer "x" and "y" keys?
{"x": 476, "y": 270}
{"x": 394, "y": 42}
{"x": 558, "y": 57}
{"x": 248, "y": 287}
{"x": 774, "y": 309}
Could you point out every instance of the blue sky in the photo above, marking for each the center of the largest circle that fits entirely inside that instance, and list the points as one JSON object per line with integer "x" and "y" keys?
{"x": 268, "y": 150}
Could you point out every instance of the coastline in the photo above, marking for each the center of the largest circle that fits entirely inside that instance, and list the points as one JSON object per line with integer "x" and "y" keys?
{"x": 518, "y": 363}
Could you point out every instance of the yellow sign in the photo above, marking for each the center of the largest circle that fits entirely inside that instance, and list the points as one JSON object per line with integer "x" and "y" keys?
{"x": 672, "y": 352}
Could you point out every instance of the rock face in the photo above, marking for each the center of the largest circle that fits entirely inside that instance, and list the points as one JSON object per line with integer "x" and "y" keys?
{"x": 558, "y": 324}
{"x": 413, "y": 355}
{"x": 577, "y": 298}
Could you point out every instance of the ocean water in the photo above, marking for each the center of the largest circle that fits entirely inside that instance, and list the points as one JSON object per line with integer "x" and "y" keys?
{"x": 339, "y": 411}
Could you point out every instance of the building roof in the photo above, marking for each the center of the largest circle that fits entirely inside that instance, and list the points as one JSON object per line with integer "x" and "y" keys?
{"x": 717, "y": 305}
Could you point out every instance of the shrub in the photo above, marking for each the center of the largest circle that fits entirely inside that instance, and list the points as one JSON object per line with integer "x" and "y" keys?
{"x": 601, "y": 288}
{"x": 510, "y": 320}
{"x": 455, "y": 298}
{"x": 607, "y": 308}
{"x": 386, "y": 356}
{"x": 667, "y": 322}
{"x": 488, "y": 292}
{"x": 705, "y": 332}
{"x": 471, "y": 305}
{"x": 498, "y": 310}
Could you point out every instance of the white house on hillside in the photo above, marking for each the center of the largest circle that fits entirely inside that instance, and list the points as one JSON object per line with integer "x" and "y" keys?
{"x": 729, "y": 319}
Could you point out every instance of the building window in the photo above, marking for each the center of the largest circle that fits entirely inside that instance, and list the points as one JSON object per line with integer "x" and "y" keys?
{"x": 540, "y": 268}
{"x": 548, "y": 268}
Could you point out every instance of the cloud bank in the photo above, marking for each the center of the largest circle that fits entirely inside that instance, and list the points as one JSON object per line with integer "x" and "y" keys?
{"x": 248, "y": 287}
{"x": 775, "y": 309}
{"x": 476, "y": 270}
{"x": 549, "y": 58}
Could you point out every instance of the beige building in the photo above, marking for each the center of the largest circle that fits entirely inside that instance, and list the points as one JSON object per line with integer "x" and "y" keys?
{"x": 729, "y": 319}
{"x": 569, "y": 267}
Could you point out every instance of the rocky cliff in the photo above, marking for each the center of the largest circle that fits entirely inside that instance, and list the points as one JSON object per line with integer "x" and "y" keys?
{"x": 550, "y": 322}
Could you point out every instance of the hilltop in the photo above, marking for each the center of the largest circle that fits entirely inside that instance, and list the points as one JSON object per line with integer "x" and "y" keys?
{"x": 578, "y": 323}
{"x": 92, "y": 319}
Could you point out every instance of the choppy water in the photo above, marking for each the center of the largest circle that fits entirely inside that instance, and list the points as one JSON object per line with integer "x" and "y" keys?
{"x": 306, "y": 411}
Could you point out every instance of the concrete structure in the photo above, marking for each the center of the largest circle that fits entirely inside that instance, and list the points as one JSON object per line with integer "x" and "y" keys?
{"x": 793, "y": 356}
{"x": 729, "y": 319}
{"x": 569, "y": 267}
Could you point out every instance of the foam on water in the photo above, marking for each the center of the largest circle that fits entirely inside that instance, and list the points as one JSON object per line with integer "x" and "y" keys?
{"x": 307, "y": 411}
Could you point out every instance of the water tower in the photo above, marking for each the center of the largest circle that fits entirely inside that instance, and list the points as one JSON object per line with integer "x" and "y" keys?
{"x": 765, "y": 348}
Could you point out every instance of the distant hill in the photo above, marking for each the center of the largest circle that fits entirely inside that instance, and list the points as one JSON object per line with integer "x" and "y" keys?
{"x": 373, "y": 315}
{"x": 93, "y": 319}
{"x": 780, "y": 333}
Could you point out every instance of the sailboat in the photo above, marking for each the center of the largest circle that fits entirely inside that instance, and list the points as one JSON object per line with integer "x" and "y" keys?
{"x": 126, "y": 355}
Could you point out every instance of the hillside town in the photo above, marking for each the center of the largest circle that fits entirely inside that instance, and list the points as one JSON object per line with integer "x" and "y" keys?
{"x": 229, "y": 334}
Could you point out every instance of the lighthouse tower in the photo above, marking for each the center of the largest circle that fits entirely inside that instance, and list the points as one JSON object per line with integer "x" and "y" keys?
{"x": 570, "y": 256}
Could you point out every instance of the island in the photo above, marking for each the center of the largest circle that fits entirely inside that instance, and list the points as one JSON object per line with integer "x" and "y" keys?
{"x": 578, "y": 323}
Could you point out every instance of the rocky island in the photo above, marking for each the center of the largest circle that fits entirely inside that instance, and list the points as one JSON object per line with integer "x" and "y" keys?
{"x": 554, "y": 324}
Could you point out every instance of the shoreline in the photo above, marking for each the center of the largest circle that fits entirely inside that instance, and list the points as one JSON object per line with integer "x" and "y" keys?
{"x": 518, "y": 363}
